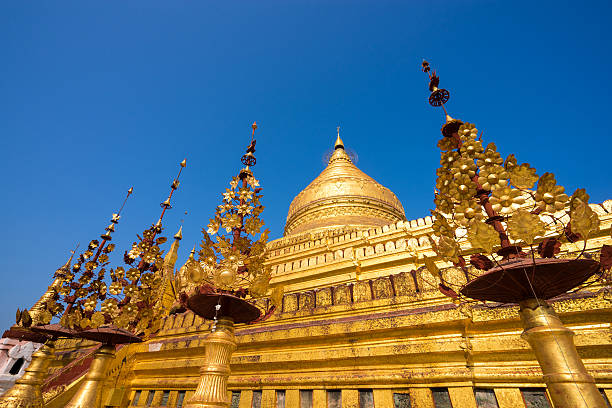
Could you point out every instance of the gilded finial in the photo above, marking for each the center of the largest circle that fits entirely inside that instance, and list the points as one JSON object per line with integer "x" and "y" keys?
{"x": 439, "y": 97}
{"x": 184, "y": 163}
{"x": 339, "y": 143}
{"x": 248, "y": 159}
{"x": 179, "y": 235}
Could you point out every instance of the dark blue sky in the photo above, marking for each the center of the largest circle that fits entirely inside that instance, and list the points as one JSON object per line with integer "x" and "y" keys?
{"x": 98, "y": 96}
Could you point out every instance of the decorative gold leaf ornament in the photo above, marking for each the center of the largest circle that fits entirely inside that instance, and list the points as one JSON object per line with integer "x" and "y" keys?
{"x": 492, "y": 177}
{"x": 448, "y": 143}
{"x": 444, "y": 180}
{"x": 463, "y": 167}
{"x": 441, "y": 225}
{"x": 448, "y": 159}
{"x": 443, "y": 203}
{"x": 584, "y": 220}
{"x": 580, "y": 195}
{"x": 525, "y": 226}
{"x": 490, "y": 157}
{"x": 467, "y": 131}
{"x": 510, "y": 162}
{"x": 446, "y": 248}
{"x": 462, "y": 188}
{"x": 523, "y": 176}
{"x": 468, "y": 211}
{"x": 471, "y": 148}
{"x": 483, "y": 236}
{"x": 549, "y": 196}
{"x": 506, "y": 200}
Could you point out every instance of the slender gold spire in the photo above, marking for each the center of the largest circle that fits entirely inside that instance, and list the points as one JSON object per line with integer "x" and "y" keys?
{"x": 179, "y": 235}
{"x": 339, "y": 143}
{"x": 167, "y": 292}
{"x": 172, "y": 255}
{"x": 38, "y": 309}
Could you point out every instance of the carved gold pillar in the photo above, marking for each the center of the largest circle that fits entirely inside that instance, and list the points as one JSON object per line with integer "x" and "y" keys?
{"x": 212, "y": 390}
{"x": 569, "y": 384}
{"x": 90, "y": 392}
{"x": 27, "y": 393}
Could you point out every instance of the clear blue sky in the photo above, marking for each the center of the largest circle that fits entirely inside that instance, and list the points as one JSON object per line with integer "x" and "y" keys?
{"x": 98, "y": 96}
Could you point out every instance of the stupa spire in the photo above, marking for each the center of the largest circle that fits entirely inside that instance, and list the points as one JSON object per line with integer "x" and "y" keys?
{"x": 37, "y": 310}
{"x": 339, "y": 143}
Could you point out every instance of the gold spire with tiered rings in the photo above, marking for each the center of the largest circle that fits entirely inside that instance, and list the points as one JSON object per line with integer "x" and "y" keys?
{"x": 342, "y": 195}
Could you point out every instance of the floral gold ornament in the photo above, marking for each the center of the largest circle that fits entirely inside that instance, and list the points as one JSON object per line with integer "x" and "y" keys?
{"x": 516, "y": 249}
{"x": 506, "y": 200}
{"x": 523, "y": 176}
{"x": 483, "y": 236}
{"x": 525, "y": 226}
{"x": 492, "y": 177}
{"x": 549, "y": 196}
{"x": 490, "y": 157}
{"x": 584, "y": 220}
{"x": 579, "y": 196}
{"x": 468, "y": 211}
{"x": 441, "y": 225}
{"x": 237, "y": 278}
{"x": 447, "y": 248}
{"x": 462, "y": 188}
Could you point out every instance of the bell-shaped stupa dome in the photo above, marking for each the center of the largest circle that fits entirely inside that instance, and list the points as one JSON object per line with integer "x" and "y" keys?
{"x": 342, "y": 196}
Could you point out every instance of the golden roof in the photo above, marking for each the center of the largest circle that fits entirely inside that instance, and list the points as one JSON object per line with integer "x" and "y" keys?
{"x": 342, "y": 195}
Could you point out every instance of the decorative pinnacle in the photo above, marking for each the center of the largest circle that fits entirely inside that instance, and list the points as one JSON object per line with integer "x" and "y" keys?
{"x": 174, "y": 186}
{"x": 179, "y": 235}
{"x": 248, "y": 159}
{"x": 438, "y": 96}
{"x": 339, "y": 143}
{"x": 114, "y": 220}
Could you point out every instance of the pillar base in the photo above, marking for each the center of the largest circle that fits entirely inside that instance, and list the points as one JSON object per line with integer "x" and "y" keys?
{"x": 212, "y": 390}
{"x": 569, "y": 384}
{"x": 27, "y": 391}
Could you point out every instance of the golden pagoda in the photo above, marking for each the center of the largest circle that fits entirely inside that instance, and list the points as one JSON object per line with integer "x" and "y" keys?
{"x": 363, "y": 323}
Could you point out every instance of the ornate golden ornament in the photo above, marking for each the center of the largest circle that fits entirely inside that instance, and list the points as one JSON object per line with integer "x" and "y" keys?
{"x": 447, "y": 159}
{"x": 447, "y": 143}
{"x": 471, "y": 148}
{"x": 523, "y": 176}
{"x": 525, "y": 226}
{"x": 490, "y": 157}
{"x": 492, "y": 177}
{"x": 446, "y": 248}
{"x": 213, "y": 226}
{"x": 549, "y": 196}
{"x": 467, "y": 131}
{"x": 443, "y": 203}
{"x": 579, "y": 196}
{"x": 510, "y": 162}
{"x": 464, "y": 167}
{"x": 225, "y": 275}
{"x": 483, "y": 236}
{"x": 467, "y": 211}
{"x": 584, "y": 220}
{"x": 441, "y": 225}
{"x": 506, "y": 200}
{"x": 194, "y": 271}
{"x": 463, "y": 188}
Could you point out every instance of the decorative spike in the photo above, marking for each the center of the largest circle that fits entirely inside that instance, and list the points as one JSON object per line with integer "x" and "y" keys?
{"x": 339, "y": 143}
{"x": 179, "y": 235}
{"x": 184, "y": 163}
